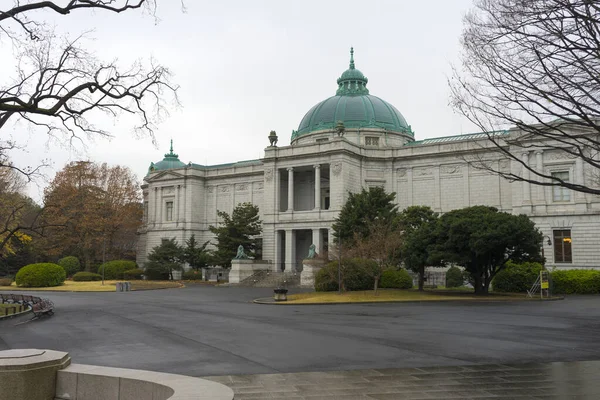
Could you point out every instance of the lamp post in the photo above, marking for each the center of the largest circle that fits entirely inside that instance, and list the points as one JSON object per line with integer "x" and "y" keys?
{"x": 549, "y": 242}
{"x": 544, "y": 275}
{"x": 340, "y": 267}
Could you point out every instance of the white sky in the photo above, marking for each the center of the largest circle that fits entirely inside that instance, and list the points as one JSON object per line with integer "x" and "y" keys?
{"x": 245, "y": 68}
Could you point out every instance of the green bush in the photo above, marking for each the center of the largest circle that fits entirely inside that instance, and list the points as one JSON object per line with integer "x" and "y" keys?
{"x": 192, "y": 275}
{"x": 355, "y": 277}
{"x": 516, "y": 278}
{"x": 70, "y": 264}
{"x": 41, "y": 275}
{"x": 115, "y": 269}
{"x": 454, "y": 277}
{"x": 400, "y": 279}
{"x": 86, "y": 277}
{"x": 576, "y": 281}
{"x": 5, "y": 281}
{"x": 133, "y": 274}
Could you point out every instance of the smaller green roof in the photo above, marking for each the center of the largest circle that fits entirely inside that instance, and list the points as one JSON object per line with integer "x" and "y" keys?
{"x": 171, "y": 161}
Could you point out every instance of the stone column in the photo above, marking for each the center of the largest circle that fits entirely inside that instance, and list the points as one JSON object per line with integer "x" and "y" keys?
{"x": 277, "y": 250}
{"x": 289, "y": 250}
{"x": 154, "y": 207}
{"x": 466, "y": 187}
{"x": 579, "y": 180}
{"x": 526, "y": 185}
{"x": 290, "y": 189}
{"x": 317, "y": 240}
{"x": 176, "y": 204}
{"x": 409, "y": 185}
{"x": 539, "y": 165}
{"x": 317, "y": 187}
{"x": 437, "y": 197}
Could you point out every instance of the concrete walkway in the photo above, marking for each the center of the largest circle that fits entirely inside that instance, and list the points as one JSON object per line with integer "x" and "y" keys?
{"x": 572, "y": 380}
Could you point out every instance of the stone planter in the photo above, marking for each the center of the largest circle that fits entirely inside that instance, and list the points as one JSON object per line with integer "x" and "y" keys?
{"x": 280, "y": 294}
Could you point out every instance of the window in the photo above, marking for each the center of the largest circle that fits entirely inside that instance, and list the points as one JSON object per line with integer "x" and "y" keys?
{"x": 322, "y": 140}
{"x": 169, "y": 211}
{"x": 560, "y": 193}
{"x": 371, "y": 141}
{"x": 562, "y": 246}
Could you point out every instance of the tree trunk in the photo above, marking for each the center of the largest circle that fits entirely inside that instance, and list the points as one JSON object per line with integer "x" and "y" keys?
{"x": 376, "y": 284}
{"x": 421, "y": 279}
{"x": 479, "y": 286}
{"x": 170, "y": 274}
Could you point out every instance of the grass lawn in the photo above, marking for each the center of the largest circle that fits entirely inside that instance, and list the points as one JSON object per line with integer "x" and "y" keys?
{"x": 109, "y": 286}
{"x": 391, "y": 295}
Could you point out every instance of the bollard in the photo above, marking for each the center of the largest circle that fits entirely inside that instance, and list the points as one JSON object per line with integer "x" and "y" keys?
{"x": 119, "y": 287}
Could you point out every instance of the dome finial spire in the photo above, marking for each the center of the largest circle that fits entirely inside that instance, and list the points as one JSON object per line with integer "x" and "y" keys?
{"x": 171, "y": 146}
{"x": 351, "y": 57}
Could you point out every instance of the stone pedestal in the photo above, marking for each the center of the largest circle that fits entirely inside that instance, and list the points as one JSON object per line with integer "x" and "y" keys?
{"x": 30, "y": 374}
{"x": 310, "y": 268}
{"x": 240, "y": 270}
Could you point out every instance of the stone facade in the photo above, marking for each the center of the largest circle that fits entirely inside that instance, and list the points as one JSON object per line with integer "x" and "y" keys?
{"x": 355, "y": 140}
{"x": 438, "y": 173}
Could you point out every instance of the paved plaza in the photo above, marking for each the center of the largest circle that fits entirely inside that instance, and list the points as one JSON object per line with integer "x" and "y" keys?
{"x": 217, "y": 331}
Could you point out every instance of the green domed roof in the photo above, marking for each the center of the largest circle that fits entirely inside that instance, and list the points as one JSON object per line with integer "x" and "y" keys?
{"x": 354, "y": 106}
{"x": 171, "y": 161}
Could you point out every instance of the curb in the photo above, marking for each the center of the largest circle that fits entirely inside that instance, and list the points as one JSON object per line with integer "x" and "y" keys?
{"x": 270, "y": 301}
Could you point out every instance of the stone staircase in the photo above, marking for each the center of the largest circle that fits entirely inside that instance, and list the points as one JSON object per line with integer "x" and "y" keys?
{"x": 272, "y": 279}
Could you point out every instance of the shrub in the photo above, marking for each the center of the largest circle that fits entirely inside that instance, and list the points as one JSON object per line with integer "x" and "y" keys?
{"x": 41, "y": 275}
{"x": 133, "y": 274}
{"x": 5, "y": 281}
{"x": 70, "y": 264}
{"x": 355, "y": 275}
{"x": 576, "y": 281}
{"x": 400, "y": 279}
{"x": 115, "y": 269}
{"x": 86, "y": 277}
{"x": 454, "y": 277}
{"x": 192, "y": 275}
{"x": 517, "y": 278}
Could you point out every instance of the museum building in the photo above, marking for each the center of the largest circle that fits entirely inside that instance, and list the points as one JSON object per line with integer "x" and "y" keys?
{"x": 356, "y": 140}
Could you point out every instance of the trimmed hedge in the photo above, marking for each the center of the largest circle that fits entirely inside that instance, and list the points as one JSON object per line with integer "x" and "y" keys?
{"x": 115, "y": 269}
{"x": 86, "y": 277}
{"x": 400, "y": 279}
{"x": 192, "y": 275}
{"x": 576, "y": 281}
{"x": 70, "y": 264}
{"x": 454, "y": 277}
{"x": 355, "y": 275}
{"x": 133, "y": 274}
{"x": 516, "y": 278}
{"x": 41, "y": 275}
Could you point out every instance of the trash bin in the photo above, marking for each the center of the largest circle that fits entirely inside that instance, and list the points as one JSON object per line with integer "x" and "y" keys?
{"x": 119, "y": 287}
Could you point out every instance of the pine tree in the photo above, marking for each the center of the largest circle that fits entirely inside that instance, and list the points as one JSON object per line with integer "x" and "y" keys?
{"x": 164, "y": 259}
{"x": 241, "y": 228}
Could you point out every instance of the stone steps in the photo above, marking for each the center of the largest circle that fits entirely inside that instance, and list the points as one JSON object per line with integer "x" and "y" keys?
{"x": 272, "y": 279}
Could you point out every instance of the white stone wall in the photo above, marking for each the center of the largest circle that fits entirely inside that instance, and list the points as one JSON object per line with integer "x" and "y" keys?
{"x": 444, "y": 176}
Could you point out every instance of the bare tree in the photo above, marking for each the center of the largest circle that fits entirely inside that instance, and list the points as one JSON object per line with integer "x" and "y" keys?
{"x": 532, "y": 66}
{"x": 59, "y": 85}
{"x": 381, "y": 245}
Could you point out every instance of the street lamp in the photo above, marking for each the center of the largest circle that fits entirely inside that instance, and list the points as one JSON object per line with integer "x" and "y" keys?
{"x": 549, "y": 242}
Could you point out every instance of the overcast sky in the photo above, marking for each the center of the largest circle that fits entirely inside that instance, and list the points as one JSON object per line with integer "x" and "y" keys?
{"x": 246, "y": 68}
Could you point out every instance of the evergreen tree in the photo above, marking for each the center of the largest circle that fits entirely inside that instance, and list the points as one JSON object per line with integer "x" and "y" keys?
{"x": 196, "y": 256}
{"x": 361, "y": 210}
{"x": 483, "y": 240}
{"x": 417, "y": 224}
{"x": 241, "y": 228}
{"x": 164, "y": 259}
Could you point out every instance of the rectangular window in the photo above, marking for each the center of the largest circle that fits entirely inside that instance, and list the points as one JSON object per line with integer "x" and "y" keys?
{"x": 562, "y": 246}
{"x": 322, "y": 140}
{"x": 371, "y": 141}
{"x": 169, "y": 211}
{"x": 560, "y": 193}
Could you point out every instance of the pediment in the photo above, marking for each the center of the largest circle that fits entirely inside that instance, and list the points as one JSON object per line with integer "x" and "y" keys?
{"x": 165, "y": 176}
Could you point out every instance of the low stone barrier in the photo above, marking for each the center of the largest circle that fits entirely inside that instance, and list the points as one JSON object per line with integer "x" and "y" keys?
{"x": 32, "y": 374}
{"x": 90, "y": 382}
